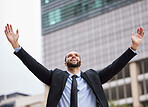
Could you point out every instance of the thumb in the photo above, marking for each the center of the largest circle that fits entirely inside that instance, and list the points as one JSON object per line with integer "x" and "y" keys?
{"x": 132, "y": 34}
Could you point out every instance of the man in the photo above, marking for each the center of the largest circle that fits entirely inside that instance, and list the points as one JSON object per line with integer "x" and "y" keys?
{"x": 74, "y": 88}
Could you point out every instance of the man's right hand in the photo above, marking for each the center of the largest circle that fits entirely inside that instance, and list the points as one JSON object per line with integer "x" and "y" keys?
{"x": 11, "y": 36}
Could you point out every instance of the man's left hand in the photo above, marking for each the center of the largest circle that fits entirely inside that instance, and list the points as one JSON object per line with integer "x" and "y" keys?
{"x": 137, "y": 39}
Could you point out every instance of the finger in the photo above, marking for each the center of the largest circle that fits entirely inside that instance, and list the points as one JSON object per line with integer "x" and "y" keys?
{"x": 5, "y": 32}
{"x": 5, "y": 27}
{"x": 132, "y": 34}
{"x": 11, "y": 28}
{"x": 8, "y": 29}
{"x": 141, "y": 30}
{"x": 17, "y": 32}
{"x": 138, "y": 31}
{"x": 142, "y": 34}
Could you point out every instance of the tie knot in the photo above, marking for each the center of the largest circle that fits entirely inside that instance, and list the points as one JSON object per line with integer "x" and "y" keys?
{"x": 74, "y": 76}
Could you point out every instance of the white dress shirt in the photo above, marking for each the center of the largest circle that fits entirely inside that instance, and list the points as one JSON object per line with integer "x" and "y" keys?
{"x": 86, "y": 97}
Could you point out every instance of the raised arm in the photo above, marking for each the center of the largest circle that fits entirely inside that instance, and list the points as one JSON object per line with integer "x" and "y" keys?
{"x": 117, "y": 65}
{"x": 36, "y": 68}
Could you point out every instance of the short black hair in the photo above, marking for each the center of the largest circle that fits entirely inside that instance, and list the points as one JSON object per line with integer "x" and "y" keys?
{"x": 65, "y": 58}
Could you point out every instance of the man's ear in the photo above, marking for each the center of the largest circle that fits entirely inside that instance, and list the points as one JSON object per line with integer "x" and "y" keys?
{"x": 65, "y": 64}
{"x": 81, "y": 63}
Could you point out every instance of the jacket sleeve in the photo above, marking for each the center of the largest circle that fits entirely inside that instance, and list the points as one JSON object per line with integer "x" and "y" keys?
{"x": 117, "y": 65}
{"x": 36, "y": 68}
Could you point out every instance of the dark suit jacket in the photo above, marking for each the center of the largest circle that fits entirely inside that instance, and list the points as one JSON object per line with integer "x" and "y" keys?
{"x": 57, "y": 78}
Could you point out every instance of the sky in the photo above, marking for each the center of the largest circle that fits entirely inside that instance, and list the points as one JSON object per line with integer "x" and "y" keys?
{"x": 24, "y": 15}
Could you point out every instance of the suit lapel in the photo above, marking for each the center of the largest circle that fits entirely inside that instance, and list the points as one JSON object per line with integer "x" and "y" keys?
{"x": 64, "y": 80}
{"x": 93, "y": 81}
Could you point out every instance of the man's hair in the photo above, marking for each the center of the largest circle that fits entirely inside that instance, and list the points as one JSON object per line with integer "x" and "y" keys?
{"x": 65, "y": 58}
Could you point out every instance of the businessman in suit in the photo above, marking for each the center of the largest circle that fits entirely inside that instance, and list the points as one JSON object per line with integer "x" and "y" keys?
{"x": 74, "y": 88}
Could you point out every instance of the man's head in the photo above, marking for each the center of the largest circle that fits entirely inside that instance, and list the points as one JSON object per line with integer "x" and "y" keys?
{"x": 72, "y": 60}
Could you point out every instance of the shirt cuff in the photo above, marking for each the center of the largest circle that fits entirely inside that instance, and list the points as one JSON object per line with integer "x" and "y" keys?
{"x": 133, "y": 50}
{"x": 17, "y": 49}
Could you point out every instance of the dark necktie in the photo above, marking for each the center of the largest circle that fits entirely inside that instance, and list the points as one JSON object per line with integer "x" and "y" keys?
{"x": 73, "y": 100}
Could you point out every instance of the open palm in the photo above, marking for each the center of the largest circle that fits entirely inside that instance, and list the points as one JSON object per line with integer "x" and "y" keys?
{"x": 11, "y": 36}
{"x": 137, "y": 39}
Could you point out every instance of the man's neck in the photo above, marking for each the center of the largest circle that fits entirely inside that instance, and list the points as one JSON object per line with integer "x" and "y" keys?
{"x": 74, "y": 70}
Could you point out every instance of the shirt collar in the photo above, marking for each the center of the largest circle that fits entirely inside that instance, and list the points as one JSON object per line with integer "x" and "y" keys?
{"x": 78, "y": 74}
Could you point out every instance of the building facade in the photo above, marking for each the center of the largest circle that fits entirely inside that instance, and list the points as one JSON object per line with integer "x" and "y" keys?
{"x": 100, "y": 30}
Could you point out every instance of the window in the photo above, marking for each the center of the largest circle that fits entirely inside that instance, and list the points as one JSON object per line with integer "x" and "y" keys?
{"x": 113, "y": 92}
{"x": 69, "y": 11}
{"x": 44, "y": 2}
{"x": 121, "y": 92}
{"x": 147, "y": 86}
{"x": 128, "y": 90}
{"x": 54, "y": 17}
{"x": 142, "y": 87}
{"x": 99, "y": 3}
{"x": 47, "y": 1}
{"x": 78, "y": 9}
{"x": 51, "y": 18}
{"x": 106, "y": 94}
{"x": 126, "y": 71}
{"x": 145, "y": 66}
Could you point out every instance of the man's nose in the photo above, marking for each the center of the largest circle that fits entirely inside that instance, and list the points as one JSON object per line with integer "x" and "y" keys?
{"x": 73, "y": 56}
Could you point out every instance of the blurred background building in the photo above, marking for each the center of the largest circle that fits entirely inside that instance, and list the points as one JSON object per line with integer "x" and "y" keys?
{"x": 21, "y": 100}
{"x": 100, "y": 31}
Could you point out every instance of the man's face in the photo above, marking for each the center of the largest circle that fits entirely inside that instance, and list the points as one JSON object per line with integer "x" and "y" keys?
{"x": 73, "y": 59}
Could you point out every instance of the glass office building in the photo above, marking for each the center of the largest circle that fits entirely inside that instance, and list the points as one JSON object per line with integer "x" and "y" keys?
{"x": 100, "y": 31}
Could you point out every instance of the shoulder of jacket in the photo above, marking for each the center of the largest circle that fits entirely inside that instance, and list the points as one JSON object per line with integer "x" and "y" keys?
{"x": 59, "y": 71}
{"x": 91, "y": 71}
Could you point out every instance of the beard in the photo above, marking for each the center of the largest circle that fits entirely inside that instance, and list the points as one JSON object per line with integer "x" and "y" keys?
{"x": 70, "y": 65}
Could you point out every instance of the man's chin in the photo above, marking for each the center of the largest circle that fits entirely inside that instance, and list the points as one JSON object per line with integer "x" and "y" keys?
{"x": 71, "y": 65}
